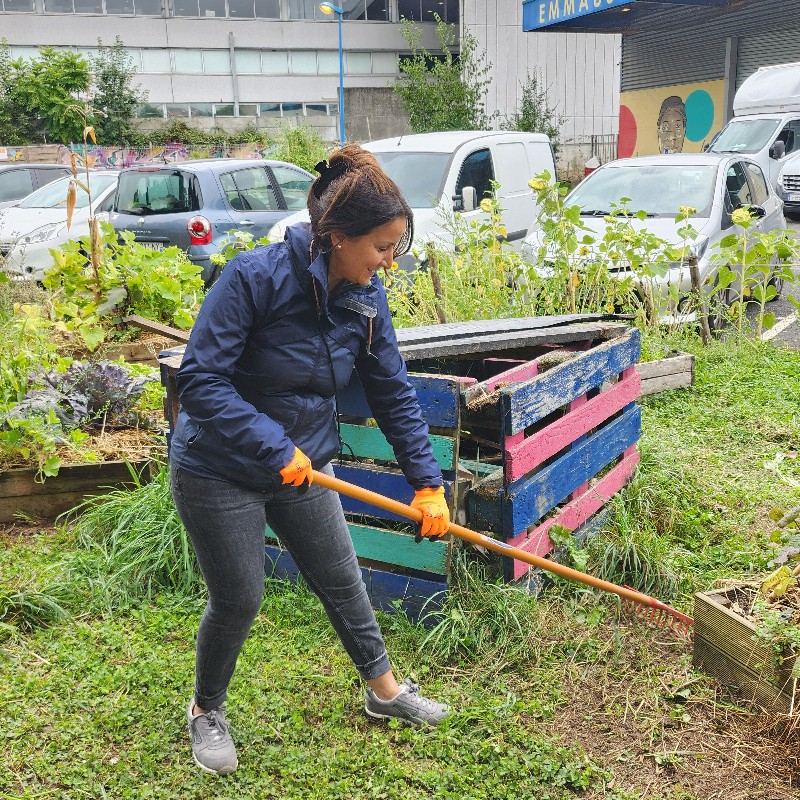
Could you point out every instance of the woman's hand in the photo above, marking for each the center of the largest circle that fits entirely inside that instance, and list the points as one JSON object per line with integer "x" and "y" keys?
{"x": 435, "y": 513}
{"x": 298, "y": 470}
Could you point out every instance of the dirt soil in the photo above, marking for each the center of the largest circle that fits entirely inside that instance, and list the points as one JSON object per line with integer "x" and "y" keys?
{"x": 688, "y": 738}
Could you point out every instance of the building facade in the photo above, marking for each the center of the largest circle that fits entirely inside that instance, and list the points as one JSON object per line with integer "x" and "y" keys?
{"x": 234, "y": 62}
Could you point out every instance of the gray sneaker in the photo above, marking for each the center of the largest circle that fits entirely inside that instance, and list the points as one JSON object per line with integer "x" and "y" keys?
{"x": 409, "y": 706}
{"x": 212, "y": 743}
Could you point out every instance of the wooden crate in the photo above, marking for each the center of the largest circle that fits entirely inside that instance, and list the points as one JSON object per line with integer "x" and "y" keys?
{"x": 566, "y": 424}
{"x": 725, "y": 648}
{"x": 554, "y": 405}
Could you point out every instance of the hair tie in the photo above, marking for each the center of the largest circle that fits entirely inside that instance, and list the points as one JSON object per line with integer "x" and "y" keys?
{"x": 327, "y": 174}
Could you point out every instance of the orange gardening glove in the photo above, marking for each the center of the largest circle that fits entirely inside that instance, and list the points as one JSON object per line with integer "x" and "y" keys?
{"x": 435, "y": 514}
{"x": 298, "y": 470}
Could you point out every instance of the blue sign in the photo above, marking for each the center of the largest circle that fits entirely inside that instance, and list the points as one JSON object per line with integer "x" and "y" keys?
{"x": 541, "y": 13}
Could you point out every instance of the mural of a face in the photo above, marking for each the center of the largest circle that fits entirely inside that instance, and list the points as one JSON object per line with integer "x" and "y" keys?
{"x": 671, "y": 125}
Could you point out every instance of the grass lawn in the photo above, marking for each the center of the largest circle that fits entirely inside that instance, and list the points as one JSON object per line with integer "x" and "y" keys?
{"x": 553, "y": 698}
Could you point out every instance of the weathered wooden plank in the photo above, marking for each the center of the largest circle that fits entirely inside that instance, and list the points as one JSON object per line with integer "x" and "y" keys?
{"x": 529, "y": 402}
{"x": 393, "y": 547}
{"x": 574, "y": 514}
{"x": 399, "y": 549}
{"x": 367, "y": 442}
{"x": 681, "y": 380}
{"x": 514, "y": 340}
{"x": 156, "y": 327}
{"x": 523, "y": 371}
{"x": 678, "y": 363}
{"x": 523, "y": 503}
{"x": 524, "y": 456}
{"x": 383, "y": 481}
{"x": 439, "y": 397}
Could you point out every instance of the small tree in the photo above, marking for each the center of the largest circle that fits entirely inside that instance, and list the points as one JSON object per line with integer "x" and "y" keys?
{"x": 113, "y": 92}
{"x": 444, "y": 93}
{"x": 535, "y": 114}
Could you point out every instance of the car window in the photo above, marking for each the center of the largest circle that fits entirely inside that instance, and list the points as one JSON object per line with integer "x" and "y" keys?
{"x": 146, "y": 192}
{"x": 477, "y": 171}
{"x": 790, "y": 136}
{"x": 249, "y": 190}
{"x": 736, "y": 186}
{"x": 15, "y": 183}
{"x": 54, "y": 194}
{"x": 44, "y": 176}
{"x": 105, "y": 205}
{"x": 758, "y": 185}
{"x": 294, "y": 185}
{"x": 420, "y": 176}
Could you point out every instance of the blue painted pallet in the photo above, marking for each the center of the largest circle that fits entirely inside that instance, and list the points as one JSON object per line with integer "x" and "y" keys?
{"x": 524, "y": 502}
{"x": 388, "y": 591}
{"x": 439, "y": 396}
{"x": 528, "y": 402}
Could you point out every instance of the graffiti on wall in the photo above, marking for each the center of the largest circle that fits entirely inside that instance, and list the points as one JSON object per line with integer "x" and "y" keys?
{"x": 112, "y": 157}
{"x": 669, "y": 119}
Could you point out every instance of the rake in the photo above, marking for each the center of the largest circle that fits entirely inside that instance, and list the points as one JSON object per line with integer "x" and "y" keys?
{"x": 649, "y": 609}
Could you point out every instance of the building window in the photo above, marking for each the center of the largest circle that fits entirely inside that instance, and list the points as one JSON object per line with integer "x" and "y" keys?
{"x": 88, "y": 7}
{"x": 217, "y": 62}
{"x": 269, "y": 109}
{"x": 17, "y": 5}
{"x": 306, "y": 9}
{"x": 155, "y": 60}
{"x": 148, "y": 8}
{"x": 358, "y": 63}
{"x": 24, "y": 52}
{"x": 185, "y": 8}
{"x": 248, "y": 109}
{"x": 135, "y": 55}
{"x": 58, "y": 6}
{"x": 223, "y": 110}
{"x": 316, "y": 109}
{"x": 120, "y": 7}
{"x": 241, "y": 9}
{"x": 328, "y": 62}
{"x": 177, "y": 110}
{"x": 248, "y": 62}
{"x": 378, "y": 10}
{"x": 201, "y": 109}
{"x": 212, "y": 8}
{"x": 304, "y": 62}
{"x": 274, "y": 62}
{"x": 187, "y": 60}
{"x": 150, "y": 111}
{"x": 268, "y": 9}
{"x": 292, "y": 109}
{"x": 384, "y": 63}
{"x": 425, "y": 10}
{"x": 366, "y": 9}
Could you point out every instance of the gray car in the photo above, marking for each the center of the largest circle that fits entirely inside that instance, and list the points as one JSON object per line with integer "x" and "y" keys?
{"x": 196, "y": 205}
{"x": 18, "y": 180}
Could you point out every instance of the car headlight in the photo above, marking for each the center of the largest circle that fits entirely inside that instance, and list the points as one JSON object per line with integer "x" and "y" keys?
{"x": 43, "y": 234}
{"x": 276, "y": 233}
{"x": 780, "y": 180}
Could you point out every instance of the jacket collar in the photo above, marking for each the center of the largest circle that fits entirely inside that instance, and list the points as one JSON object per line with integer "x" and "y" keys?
{"x": 361, "y": 299}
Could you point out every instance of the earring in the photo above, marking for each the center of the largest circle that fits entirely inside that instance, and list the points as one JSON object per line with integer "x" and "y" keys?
{"x": 338, "y": 246}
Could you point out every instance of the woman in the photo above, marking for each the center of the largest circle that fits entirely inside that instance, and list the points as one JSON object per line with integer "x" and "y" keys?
{"x": 277, "y": 336}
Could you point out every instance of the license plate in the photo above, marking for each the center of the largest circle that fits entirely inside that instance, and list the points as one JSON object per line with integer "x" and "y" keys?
{"x": 793, "y": 198}
{"x": 151, "y": 245}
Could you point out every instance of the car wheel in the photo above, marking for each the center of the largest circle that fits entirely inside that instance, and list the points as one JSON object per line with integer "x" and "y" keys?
{"x": 718, "y": 303}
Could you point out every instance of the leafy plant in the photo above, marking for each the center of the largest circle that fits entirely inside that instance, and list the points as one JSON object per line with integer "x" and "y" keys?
{"x": 24, "y": 609}
{"x": 301, "y": 145}
{"x": 778, "y": 629}
{"x": 132, "y": 544}
{"x": 535, "y": 113}
{"x": 161, "y": 285}
{"x": 447, "y": 92}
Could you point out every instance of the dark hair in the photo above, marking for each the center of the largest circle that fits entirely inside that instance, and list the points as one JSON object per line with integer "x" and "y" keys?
{"x": 357, "y": 200}
{"x": 674, "y": 102}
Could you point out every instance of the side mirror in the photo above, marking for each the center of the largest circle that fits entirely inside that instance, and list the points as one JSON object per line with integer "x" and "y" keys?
{"x": 469, "y": 198}
{"x": 777, "y": 150}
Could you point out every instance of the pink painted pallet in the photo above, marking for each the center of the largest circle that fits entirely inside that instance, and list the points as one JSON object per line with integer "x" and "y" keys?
{"x": 567, "y": 424}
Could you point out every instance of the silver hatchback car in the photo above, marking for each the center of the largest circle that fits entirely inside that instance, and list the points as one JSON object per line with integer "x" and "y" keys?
{"x": 196, "y": 205}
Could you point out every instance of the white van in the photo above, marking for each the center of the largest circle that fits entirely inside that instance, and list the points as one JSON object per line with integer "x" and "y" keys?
{"x": 455, "y": 169}
{"x": 766, "y": 122}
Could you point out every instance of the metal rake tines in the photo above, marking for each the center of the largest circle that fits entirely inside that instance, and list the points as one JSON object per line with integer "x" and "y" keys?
{"x": 657, "y": 614}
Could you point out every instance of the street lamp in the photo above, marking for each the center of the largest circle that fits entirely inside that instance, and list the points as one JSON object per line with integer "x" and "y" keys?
{"x": 330, "y": 8}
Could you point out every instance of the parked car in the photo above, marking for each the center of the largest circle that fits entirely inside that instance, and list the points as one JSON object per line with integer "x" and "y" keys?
{"x": 715, "y": 185}
{"x": 454, "y": 170}
{"x": 38, "y": 223}
{"x": 18, "y": 180}
{"x": 197, "y": 204}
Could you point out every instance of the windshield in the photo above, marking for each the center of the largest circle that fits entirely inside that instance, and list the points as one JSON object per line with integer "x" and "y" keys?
{"x": 419, "y": 175}
{"x": 660, "y": 190}
{"x": 745, "y": 136}
{"x": 55, "y": 193}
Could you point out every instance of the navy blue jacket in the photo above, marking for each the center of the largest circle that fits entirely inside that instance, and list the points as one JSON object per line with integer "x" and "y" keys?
{"x": 256, "y": 379}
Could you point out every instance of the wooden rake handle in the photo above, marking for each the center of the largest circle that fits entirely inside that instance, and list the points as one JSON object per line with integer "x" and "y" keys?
{"x": 401, "y": 509}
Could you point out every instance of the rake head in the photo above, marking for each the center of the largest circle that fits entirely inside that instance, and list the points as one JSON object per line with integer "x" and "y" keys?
{"x": 659, "y": 615}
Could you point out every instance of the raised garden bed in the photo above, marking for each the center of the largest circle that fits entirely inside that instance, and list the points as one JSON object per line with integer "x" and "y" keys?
{"x": 725, "y": 648}
{"x": 22, "y": 494}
